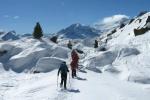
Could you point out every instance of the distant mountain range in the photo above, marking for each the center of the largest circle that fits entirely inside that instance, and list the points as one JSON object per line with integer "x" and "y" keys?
{"x": 78, "y": 31}
{"x": 9, "y": 36}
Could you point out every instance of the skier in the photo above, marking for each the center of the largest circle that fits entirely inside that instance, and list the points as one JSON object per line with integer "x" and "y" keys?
{"x": 69, "y": 45}
{"x": 63, "y": 70}
{"x": 74, "y": 62}
{"x": 96, "y": 44}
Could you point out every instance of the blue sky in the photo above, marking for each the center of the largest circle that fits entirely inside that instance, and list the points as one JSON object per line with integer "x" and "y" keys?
{"x": 21, "y": 15}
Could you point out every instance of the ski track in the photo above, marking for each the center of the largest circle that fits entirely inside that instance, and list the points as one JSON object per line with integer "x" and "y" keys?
{"x": 87, "y": 86}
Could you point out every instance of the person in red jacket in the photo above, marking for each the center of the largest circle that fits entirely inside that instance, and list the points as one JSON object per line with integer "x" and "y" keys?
{"x": 74, "y": 62}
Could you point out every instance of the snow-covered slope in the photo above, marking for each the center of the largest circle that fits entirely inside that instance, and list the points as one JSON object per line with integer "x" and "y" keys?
{"x": 78, "y": 31}
{"x": 128, "y": 53}
{"x": 127, "y": 33}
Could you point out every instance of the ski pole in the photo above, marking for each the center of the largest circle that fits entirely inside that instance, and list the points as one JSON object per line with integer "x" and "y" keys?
{"x": 77, "y": 71}
{"x": 69, "y": 80}
{"x": 57, "y": 81}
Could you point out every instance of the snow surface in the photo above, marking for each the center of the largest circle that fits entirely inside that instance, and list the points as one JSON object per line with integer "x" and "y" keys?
{"x": 87, "y": 86}
{"x": 119, "y": 73}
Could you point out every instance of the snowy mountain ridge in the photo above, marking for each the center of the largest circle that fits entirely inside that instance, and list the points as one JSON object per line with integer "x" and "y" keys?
{"x": 128, "y": 50}
{"x": 127, "y": 33}
{"x": 78, "y": 31}
{"x": 11, "y": 35}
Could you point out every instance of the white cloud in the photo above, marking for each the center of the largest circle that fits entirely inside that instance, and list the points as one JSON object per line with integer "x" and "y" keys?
{"x": 112, "y": 19}
{"x": 11, "y": 17}
{"x": 16, "y": 17}
{"x": 110, "y": 23}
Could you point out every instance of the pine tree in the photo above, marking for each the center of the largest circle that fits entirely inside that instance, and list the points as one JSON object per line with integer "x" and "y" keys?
{"x": 38, "y": 32}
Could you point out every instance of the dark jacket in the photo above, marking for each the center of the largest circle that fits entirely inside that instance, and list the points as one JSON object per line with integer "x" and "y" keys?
{"x": 63, "y": 69}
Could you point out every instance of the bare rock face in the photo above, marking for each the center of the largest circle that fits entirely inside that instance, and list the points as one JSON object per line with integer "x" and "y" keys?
{"x": 140, "y": 31}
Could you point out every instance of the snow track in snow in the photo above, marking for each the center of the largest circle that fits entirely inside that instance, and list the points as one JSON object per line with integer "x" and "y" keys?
{"x": 87, "y": 86}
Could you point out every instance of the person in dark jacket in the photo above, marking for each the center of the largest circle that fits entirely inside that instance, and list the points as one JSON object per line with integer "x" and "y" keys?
{"x": 63, "y": 70}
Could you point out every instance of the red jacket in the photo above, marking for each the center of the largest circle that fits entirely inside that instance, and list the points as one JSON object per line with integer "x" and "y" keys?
{"x": 75, "y": 59}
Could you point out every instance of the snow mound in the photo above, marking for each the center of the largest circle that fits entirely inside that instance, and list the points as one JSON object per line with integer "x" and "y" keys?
{"x": 110, "y": 68}
{"x": 23, "y": 54}
{"x": 110, "y": 61}
{"x": 25, "y": 60}
{"x": 128, "y": 51}
{"x": 47, "y": 64}
{"x": 134, "y": 68}
{"x": 101, "y": 60}
{"x": 7, "y": 51}
{"x": 89, "y": 42}
{"x": 60, "y": 52}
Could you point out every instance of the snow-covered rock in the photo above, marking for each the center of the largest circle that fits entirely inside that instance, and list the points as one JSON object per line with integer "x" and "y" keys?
{"x": 60, "y": 52}
{"x": 102, "y": 59}
{"x": 9, "y": 51}
{"x": 26, "y": 59}
{"x": 23, "y": 54}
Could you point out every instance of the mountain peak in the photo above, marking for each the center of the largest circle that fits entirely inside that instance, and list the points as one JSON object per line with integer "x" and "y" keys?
{"x": 11, "y": 35}
{"x": 78, "y": 31}
{"x": 76, "y": 25}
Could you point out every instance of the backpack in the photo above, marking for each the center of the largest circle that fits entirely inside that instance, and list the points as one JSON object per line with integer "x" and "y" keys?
{"x": 63, "y": 69}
